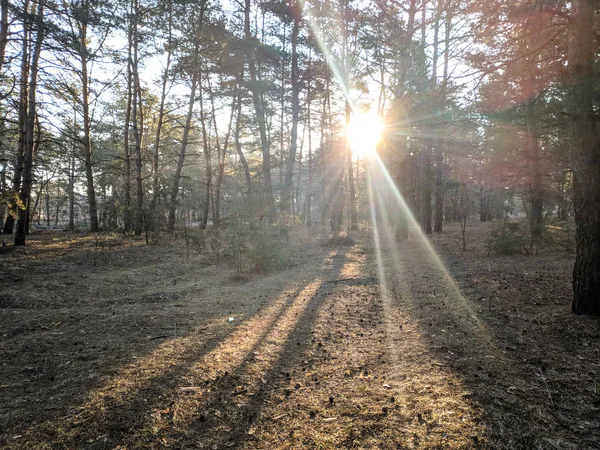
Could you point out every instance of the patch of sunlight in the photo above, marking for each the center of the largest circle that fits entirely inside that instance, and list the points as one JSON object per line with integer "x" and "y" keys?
{"x": 387, "y": 386}
{"x": 438, "y": 397}
{"x": 382, "y": 180}
{"x": 268, "y": 325}
{"x": 248, "y": 354}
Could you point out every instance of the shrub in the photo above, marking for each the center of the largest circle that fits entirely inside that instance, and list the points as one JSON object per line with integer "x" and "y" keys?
{"x": 507, "y": 239}
{"x": 266, "y": 252}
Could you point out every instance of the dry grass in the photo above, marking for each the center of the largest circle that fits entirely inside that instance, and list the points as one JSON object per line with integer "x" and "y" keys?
{"x": 342, "y": 350}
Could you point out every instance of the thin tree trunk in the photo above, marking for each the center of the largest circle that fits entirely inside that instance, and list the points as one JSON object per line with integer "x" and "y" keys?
{"x": 72, "y": 193}
{"x": 238, "y": 145}
{"x": 161, "y": 114}
{"x": 286, "y": 198}
{"x": 221, "y": 154}
{"x": 399, "y": 117}
{"x": 138, "y": 124}
{"x": 282, "y": 159}
{"x": 353, "y": 216}
{"x": 440, "y": 135}
{"x": 3, "y": 30}
{"x": 2, "y": 193}
{"x": 536, "y": 199}
{"x": 325, "y": 198}
{"x": 126, "y": 150}
{"x": 425, "y": 187}
{"x": 308, "y": 201}
{"x": 25, "y": 192}
{"x": 23, "y": 84}
{"x": 207, "y": 162}
{"x": 269, "y": 200}
{"x": 180, "y": 161}
{"x": 85, "y": 99}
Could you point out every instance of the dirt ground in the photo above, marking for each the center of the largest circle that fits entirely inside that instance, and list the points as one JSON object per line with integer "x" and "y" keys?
{"x": 108, "y": 343}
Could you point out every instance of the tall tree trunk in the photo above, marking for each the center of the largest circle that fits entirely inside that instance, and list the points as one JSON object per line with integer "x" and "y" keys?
{"x": 441, "y": 128}
{"x": 286, "y": 198}
{"x": 207, "y": 162}
{"x": 25, "y": 192}
{"x": 325, "y": 198}
{"x": 161, "y": 114}
{"x": 3, "y": 30}
{"x": 425, "y": 157}
{"x": 353, "y": 217}
{"x": 399, "y": 119}
{"x": 425, "y": 187}
{"x": 23, "y": 86}
{"x": 308, "y": 201}
{"x": 351, "y": 187}
{"x": 586, "y": 152}
{"x": 269, "y": 200}
{"x": 536, "y": 199}
{"x": 2, "y": 193}
{"x": 138, "y": 124}
{"x": 221, "y": 154}
{"x": 47, "y": 205}
{"x": 282, "y": 117}
{"x": 72, "y": 193}
{"x": 126, "y": 133}
{"x": 181, "y": 159}
{"x": 238, "y": 143}
{"x": 85, "y": 99}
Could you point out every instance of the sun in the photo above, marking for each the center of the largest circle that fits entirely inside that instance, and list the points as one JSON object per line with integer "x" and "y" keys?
{"x": 363, "y": 133}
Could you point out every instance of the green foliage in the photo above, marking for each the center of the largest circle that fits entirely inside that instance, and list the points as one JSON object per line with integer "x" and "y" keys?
{"x": 266, "y": 252}
{"x": 253, "y": 249}
{"x": 11, "y": 201}
{"x": 508, "y": 238}
{"x": 210, "y": 242}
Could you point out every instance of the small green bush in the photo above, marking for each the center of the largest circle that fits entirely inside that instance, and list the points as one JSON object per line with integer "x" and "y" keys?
{"x": 256, "y": 249}
{"x": 507, "y": 239}
{"x": 266, "y": 252}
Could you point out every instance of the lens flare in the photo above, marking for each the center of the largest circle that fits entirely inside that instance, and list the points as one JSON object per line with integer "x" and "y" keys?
{"x": 363, "y": 133}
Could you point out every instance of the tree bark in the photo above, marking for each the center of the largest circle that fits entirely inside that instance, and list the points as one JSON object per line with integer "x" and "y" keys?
{"x": 425, "y": 187}
{"x": 441, "y": 142}
{"x": 286, "y": 197}
{"x": 161, "y": 114}
{"x": 221, "y": 154}
{"x": 21, "y": 231}
{"x": 3, "y": 30}
{"x": 181, "y": 159}
{"x": 85, "y": 100}
{"x": 23, "y": 86}
{"x": 126, "y": 150}
{"x": 138, "y": 124}
{"x": 536, "y": 194}
{"x": 308, "y": 201}
{"x": 586, "y": 152}
{"x": 207, "y": 162}
{"x": 238, "y": 145}
{"x": 269, "y": 200}
{"x": 71, "y": 193}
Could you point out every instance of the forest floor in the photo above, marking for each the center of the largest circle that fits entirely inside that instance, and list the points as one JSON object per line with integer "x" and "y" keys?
{"x": 108, "y": 343}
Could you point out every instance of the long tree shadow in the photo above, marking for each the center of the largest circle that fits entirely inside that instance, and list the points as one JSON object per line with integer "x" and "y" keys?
{"x": 120, "y": 407}
{"x": 223, "y": 415}
{"x": 516, "y": 404}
